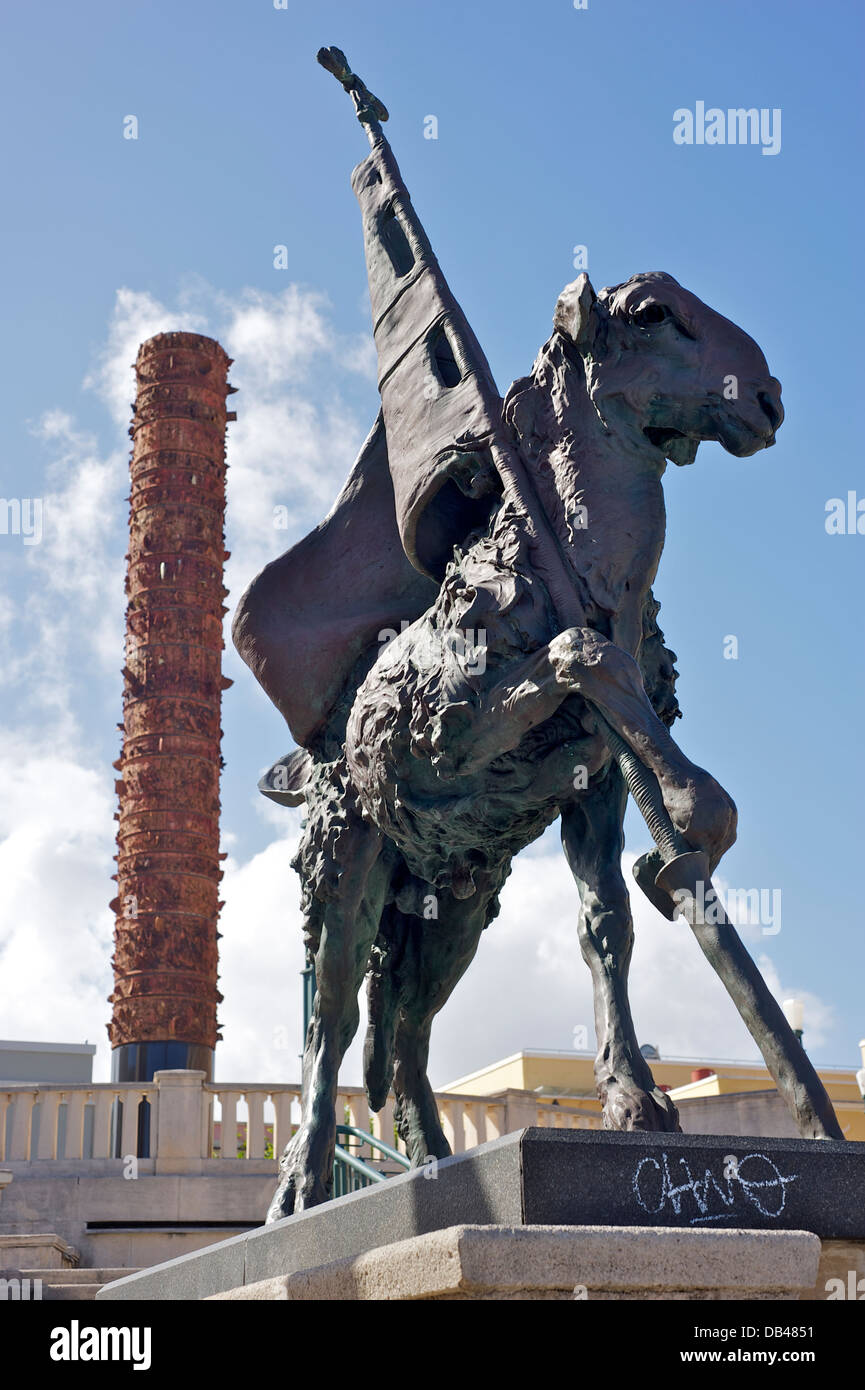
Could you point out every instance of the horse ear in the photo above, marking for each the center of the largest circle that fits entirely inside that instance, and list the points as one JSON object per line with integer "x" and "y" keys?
{"x": 573, "y": 316}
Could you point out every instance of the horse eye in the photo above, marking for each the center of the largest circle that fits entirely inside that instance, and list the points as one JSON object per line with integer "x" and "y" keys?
{"x": 652, "y": 313}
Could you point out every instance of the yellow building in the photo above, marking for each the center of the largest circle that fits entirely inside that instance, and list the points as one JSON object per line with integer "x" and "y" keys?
{"x": 567, "y": 1079}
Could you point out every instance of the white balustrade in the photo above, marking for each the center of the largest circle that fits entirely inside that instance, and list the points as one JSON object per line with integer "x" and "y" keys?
{"x": 60, "y": 1130}
{"x": 59, "y": 1122}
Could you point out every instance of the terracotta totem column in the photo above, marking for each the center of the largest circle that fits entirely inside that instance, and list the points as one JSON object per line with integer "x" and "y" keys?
{"x": 168, "y": 861}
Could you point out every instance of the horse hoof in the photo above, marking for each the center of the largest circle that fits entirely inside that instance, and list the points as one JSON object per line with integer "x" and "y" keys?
{"x": 632, "y": 1109}
{"x": 282, "y": 1204}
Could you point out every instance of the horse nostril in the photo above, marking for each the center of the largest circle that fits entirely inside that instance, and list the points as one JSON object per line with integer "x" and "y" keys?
{"x": 770, "y": 408}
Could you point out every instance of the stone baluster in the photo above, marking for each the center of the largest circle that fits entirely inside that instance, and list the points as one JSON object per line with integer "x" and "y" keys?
{"x": 454, "y": 1127}
{"x": 339, "y": 1107}
{"x": 385, "y": 1122}
{"x": 49, "y": 1116}
{"x": 228, "y": 1102}
{"x": 445, "y": 1120}
{"x": 129, "y": 1123}
{"x": 494, "y": 1126}
{"x": 359, "y": 1117}
{"x": 472, "y": 1121}
{"x": 255, "y": 1124}
{"x": 282, "y": 1103}
{"x": 22, "y": 1120}
{"x": 103, "y": 1104}
{"x": 207, "y": 1124}
{"x": 75, "y": 1103}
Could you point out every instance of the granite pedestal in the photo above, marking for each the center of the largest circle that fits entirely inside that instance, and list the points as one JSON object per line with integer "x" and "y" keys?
{"x": 540, "y": 1177}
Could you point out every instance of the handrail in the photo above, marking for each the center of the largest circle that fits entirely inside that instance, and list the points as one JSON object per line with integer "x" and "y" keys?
{"x": 352, "y": 1161}
{"x": 374, "y": 1143}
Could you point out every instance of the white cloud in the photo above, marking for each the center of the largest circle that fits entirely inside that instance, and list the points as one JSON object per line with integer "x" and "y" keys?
{"x": 294, "y": 439}
{"x": 62, "y": 631}
{"x": 137, "y": 316}
{"x": 56, "y": 845}
{"x": 261, "y": 957}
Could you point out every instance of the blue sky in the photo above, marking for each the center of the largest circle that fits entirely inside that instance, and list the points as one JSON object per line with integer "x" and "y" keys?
{"x": 554, "y": 129}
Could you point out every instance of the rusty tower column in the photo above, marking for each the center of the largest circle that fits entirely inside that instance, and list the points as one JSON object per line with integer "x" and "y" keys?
{"x": 168, "y": 870}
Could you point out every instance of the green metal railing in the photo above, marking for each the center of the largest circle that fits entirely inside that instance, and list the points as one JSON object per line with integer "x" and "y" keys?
{"x": 350, "y": 1172}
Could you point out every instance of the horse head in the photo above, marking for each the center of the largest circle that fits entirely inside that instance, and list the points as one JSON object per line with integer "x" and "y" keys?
{"x": 663, "y": 367}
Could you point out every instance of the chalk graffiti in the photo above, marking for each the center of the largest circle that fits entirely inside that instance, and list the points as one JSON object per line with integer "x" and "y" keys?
{"x": 755, "y": 1178}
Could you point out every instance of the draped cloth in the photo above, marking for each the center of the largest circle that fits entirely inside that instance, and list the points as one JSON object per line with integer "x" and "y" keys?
{"x": 306, "y": 619}
{"x": 422, "y": 481}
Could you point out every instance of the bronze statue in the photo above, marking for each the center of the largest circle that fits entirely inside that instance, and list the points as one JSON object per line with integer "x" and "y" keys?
{"x": 511, "y": 546}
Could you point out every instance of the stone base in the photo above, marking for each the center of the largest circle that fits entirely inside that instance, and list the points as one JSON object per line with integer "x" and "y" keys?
{"x": 36, "y": 1252}
{"x": 697, "y": 1189}
{"x": 561, "y": 1262}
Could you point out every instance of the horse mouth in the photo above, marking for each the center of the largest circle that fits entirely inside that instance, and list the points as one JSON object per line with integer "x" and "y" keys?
{"x": 674, "y": 445}
{"x": 742, "y": 438}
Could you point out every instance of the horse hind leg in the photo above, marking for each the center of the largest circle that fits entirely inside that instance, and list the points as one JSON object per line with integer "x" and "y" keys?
{"x": 438, "y": 953}
{"x": 395, "y": 1052}
{"x": 593, "y": 841}
{"x": 349, "y": 923}
{"x": 382, "y": 992}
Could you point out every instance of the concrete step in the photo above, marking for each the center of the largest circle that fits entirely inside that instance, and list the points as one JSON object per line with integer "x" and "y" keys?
{"x": 73, "y": 1285}
{"x": 77, "y": 1276}
{"x": 66, "y": 1293}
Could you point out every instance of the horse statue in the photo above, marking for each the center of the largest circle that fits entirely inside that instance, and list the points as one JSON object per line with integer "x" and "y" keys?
{"x": 468, "y": 647}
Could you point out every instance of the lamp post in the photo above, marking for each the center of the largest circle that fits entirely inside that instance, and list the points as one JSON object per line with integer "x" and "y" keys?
{"x": 794, "y": 1012}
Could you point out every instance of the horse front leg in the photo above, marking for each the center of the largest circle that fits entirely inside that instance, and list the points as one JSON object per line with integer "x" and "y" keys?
{"x": 593, "y": 840}
{"x": 464, "y": 736}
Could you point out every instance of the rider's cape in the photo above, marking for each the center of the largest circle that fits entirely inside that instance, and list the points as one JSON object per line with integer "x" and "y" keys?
{"x": 422, "y": 481}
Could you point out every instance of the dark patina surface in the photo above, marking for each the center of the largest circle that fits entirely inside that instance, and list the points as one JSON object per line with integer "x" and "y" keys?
{"x": 511, "y": 545}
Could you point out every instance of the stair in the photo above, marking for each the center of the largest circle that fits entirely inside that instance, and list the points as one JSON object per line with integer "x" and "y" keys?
{"x": 79, "y": 1285}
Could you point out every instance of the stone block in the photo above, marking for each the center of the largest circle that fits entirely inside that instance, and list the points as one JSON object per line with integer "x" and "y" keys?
{"x": 38, "y": 1251}
{"x": 560, "y": 1262}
